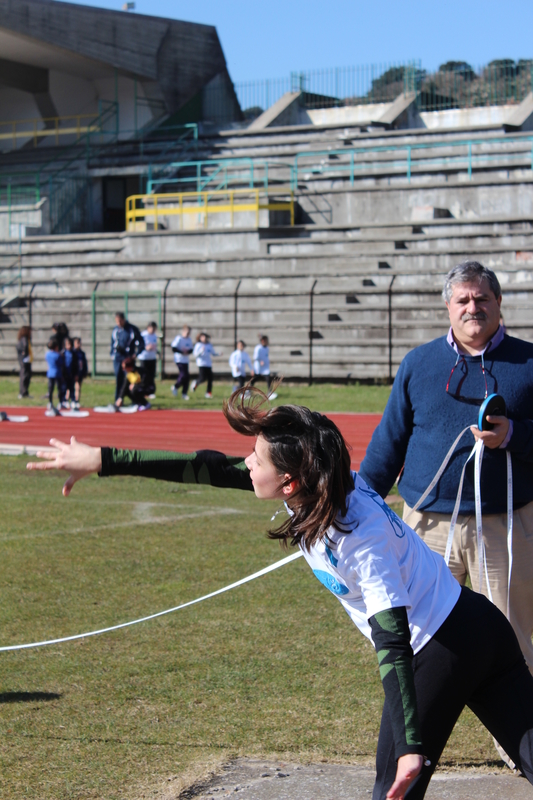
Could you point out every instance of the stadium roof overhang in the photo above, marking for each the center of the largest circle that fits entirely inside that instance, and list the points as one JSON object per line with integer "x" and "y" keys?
{"x": 177, "y": 58}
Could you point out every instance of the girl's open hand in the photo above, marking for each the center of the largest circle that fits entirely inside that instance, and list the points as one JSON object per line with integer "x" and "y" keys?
{"x": 76, "y": 458}
{"x": 408, "y": 767}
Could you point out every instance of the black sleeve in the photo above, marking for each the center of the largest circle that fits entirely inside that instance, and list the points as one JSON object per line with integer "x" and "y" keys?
{"x": 208, "y": 467}
{"x": 392, "y": 640}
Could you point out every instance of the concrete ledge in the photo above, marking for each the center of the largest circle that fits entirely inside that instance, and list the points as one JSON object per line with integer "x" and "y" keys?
{"x": 284, "y": 112}
{"x": 522, "y": 117}
{"x": 402, "y": 110}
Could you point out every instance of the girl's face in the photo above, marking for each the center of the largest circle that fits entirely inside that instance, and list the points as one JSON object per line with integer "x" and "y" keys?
{"x": 265, "y": 477}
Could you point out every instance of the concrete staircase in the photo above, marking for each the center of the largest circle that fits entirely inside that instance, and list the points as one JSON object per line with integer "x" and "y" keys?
{"x": 350, "y": 288}
{"x": 366, "y": 288}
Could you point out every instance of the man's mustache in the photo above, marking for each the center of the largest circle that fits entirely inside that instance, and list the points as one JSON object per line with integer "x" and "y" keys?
{"x": 479, "y": 315}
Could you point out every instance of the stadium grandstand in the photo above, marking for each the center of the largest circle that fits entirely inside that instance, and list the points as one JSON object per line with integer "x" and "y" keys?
{"x": 321, "y": 210}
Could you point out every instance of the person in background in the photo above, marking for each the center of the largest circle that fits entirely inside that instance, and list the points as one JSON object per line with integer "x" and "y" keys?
{"x": 182, "y": 347}
{"x": 53, "y": 373}
{"x": 148, "y": 358}
{"x": 132, "y": 386}
{"x": 126, "y": 340}
{"x": 60, "y": 334}
{"x": 262, "y": 364}
{"x": 80, "y": 370}
{"x": 203, "y": 353}
{"x": 239, "y": 360}
{"x": 67, "y": 373}
{"x": 25, "y": 358}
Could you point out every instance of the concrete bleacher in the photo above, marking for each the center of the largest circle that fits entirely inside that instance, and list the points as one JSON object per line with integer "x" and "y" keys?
{"x": 347, "y": 272}
{"x": 368, "y": 254}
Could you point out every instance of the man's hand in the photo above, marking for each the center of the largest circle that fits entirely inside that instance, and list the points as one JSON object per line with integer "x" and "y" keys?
{"x": 408, "y": 767}
{"x": 496, "y": 436}
{"x": 77, "y": 458}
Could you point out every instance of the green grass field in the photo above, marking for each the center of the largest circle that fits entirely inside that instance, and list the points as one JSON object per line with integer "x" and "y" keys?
{"x": 320, "y": 397}
{"x": 272, "y": 668}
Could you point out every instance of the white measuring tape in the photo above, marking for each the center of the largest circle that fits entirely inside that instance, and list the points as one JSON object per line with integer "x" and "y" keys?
{"x": 477, "y": 454}
{"x": 261, "y": 572}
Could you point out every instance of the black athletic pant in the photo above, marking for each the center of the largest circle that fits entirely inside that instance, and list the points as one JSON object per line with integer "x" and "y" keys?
{"x": 205, "y": 374}
{"x": 473, "y": 660}
{"x": 183, "y": 378}
{"x": 52, "y": 383}
{"x": 148, "y": 367}
{"x": 267, "y": 378}
{"x": 24, "y": 378}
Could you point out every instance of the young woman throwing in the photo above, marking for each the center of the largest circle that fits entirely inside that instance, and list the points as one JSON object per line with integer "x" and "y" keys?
{"x": 440, "y": 647}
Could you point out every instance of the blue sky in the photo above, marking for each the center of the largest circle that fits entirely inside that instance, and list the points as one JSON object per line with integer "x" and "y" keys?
{"x": 269, "y": 39}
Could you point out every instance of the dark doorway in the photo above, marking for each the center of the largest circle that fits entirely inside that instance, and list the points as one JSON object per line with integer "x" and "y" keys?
{"x": 115, "y": 193}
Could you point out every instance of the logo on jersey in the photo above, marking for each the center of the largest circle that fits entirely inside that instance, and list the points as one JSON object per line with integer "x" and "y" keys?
{"x": 330, "y": 582}
{"x": 394, "y": 519}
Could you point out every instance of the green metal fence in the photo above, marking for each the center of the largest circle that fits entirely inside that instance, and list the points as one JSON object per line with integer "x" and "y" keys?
{"x": 455, "y": 84}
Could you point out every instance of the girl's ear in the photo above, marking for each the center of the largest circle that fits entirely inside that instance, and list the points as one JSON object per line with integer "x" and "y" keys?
{"x": 291, "y": 487}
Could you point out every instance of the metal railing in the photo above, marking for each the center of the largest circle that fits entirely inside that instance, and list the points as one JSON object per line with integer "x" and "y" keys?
{"x": 149, "y": 208}
{"x": 456, "y": 84}
{"x": 408, "y": 158}
{"x": 43, "y": 127}
{"x": 62, "y": 178}
{"x": 217, "y": 174}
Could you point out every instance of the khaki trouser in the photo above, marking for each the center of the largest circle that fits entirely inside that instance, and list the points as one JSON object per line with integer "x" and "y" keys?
{"x": 433, "y": 529}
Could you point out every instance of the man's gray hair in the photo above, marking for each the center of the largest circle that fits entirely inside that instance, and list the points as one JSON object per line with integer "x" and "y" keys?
{"x": 470, "y": 272}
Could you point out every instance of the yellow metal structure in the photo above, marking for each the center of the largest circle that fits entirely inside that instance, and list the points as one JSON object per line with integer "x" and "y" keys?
{"x": 53, "y": 126}
{"x": 203, "y": 204}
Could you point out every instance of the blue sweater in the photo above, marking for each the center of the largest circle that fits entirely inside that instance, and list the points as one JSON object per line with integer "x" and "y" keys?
{"x": 53, "y": 359}
{"x": 421, "y": 421}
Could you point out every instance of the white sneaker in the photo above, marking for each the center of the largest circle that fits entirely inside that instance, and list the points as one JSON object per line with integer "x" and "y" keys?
{"x": 184, "y": 397}
{"x": 208, "y": 395}
{"x": 147, "y": 407}
{"x": 151, "y": 397}
{"x": 194, "y": 385}
{"x": 272, "y": 396}
{"x": 174, "y": 391}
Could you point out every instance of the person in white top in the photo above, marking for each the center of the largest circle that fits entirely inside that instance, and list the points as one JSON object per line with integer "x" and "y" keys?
{"x": 262, "y": 364}
{"x": 239, "y": 360}
{"x": 182, "y": 347}
{"x": 203, "y": 353}
{"x": 148, "y": 359}
{"x": 440, "y": 646}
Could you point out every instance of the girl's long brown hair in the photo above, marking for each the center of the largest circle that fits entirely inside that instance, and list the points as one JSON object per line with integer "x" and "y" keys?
{"x": 309, "y": 448}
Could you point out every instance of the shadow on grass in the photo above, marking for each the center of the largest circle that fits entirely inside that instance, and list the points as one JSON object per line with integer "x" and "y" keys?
{"x": 28, "y": 697}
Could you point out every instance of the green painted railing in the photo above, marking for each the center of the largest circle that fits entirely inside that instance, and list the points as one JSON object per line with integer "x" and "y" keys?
{"x": 218, "y": 175}
{"x": 408, "y": 158}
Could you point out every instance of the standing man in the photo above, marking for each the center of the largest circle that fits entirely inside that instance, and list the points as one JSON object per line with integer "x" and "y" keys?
{"x": 437, "y": 392}
{"x": 126, "y": 340}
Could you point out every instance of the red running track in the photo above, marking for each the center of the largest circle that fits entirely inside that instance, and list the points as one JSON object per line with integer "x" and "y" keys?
{"x": 163, "y": 430}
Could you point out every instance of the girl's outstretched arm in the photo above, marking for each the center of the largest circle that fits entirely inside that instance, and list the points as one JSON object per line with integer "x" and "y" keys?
{"x": 208, "y": 467}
